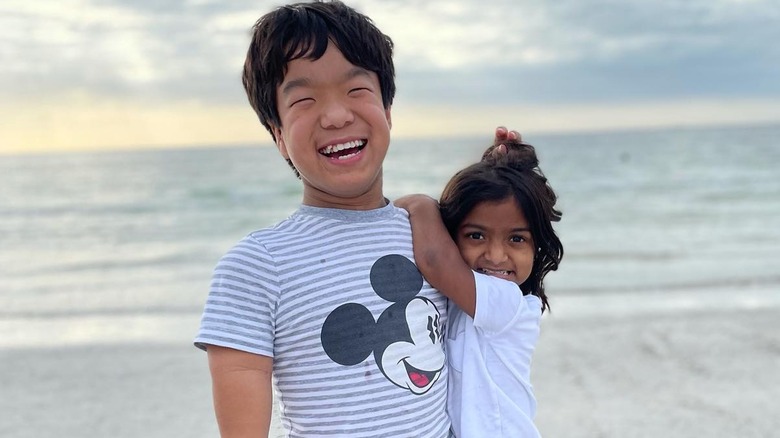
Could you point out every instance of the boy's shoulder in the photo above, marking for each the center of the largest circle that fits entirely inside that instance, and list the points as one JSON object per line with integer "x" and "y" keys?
{"x": 307, "y": 222}
{"x": 310, "y": 232}
{"x": 311, "y": 215}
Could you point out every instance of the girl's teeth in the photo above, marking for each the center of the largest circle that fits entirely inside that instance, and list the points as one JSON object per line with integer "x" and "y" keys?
{"x": 490, "y": 271}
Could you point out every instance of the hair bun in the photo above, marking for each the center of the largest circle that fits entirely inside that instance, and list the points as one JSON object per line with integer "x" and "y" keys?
{"x": 519, "y": 156}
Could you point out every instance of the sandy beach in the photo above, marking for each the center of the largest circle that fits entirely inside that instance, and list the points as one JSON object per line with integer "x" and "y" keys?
{"x": 711, "y": 373}
{"x": 603, "y": 371}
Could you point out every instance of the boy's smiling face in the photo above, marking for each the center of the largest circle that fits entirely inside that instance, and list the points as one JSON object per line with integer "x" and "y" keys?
{"x": 335, "y": 130}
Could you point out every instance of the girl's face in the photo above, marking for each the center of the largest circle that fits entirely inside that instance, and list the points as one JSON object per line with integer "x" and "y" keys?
{"x": 495, "y": 239}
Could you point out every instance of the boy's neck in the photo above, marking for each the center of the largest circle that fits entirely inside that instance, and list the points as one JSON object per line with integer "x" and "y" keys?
{"x": 364, "y": 202}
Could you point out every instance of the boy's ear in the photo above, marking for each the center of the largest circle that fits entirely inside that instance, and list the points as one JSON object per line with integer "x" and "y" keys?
{"x": 280, "y": 143}
{"x": 388, "y": 116}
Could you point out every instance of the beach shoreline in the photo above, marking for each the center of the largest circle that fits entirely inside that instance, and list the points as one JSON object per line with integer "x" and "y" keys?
{"x": 711, "y": 372}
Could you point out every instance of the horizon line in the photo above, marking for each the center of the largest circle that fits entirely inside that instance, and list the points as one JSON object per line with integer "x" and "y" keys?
{"x": 530, "y": 132}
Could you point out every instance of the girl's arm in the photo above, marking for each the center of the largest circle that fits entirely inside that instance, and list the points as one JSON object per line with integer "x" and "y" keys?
{"x": 436, "y": 254}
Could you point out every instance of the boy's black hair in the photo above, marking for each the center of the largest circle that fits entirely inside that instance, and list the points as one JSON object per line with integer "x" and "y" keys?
{"x": 500, "y": 175}
{"x": 303, "y": 30}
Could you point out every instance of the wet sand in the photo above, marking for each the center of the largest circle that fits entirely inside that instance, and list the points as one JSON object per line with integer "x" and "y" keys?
{"x": 709, "y": 371}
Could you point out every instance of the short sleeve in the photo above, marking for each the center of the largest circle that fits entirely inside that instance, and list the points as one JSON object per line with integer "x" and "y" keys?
{"x": 241, "y": 306}
{"x": 499, "y": 303}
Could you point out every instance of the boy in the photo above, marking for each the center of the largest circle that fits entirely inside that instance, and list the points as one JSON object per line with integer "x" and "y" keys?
{"x": 328, "y": 301}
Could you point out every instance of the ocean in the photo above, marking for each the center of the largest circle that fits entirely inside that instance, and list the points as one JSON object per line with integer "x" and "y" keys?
{"x": 107, "y": 249}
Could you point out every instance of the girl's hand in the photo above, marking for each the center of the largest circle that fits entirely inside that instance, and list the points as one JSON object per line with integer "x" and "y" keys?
{"x": 504, "y": 134}
{"x": 416, "y": 201}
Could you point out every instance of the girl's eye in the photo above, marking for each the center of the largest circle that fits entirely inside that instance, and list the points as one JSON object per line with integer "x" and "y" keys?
{"x": 474, "y": 235}
{"x": 517, "y": 239}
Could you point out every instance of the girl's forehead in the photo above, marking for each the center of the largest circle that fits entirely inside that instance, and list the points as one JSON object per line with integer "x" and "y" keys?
{"x": 505, "y": 213}
{"x": 509, "y": 203}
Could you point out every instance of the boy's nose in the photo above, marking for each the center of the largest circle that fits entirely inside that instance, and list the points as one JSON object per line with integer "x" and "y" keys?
{"x": 336, "y": 115}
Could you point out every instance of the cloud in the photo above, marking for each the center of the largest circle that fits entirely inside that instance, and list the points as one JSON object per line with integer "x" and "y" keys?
{"x": 468, "y": 55}
{"x": 152, "y": 51}
{"x": 532, "y": 50}
{"x": 590, "y": 51}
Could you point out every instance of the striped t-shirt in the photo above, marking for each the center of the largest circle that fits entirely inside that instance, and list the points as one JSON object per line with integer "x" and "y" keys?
{"x": 355, "y": 331}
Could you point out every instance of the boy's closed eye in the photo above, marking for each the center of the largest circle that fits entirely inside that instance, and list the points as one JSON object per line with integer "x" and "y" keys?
{"x": 297, "y": 101}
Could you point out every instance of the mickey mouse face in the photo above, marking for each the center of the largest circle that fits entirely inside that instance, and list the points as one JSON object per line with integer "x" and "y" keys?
{"x": 406, "y": 339}
{"x": 411, "y": 362}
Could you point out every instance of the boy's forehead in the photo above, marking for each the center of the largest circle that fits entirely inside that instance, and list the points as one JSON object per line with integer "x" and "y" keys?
{"x": 338, "y": 65}
{"x": 311, "y": 47}
{"x": 301, "y": 48}
{"x": 301, "y": 51}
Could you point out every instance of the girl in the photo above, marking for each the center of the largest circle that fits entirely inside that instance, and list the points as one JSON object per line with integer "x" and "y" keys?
{"x": 487, "y": 245}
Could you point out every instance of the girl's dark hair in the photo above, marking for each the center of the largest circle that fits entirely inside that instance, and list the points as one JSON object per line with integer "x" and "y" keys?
{"x": 303, "y": 30}
{"x": 502, "y": 174}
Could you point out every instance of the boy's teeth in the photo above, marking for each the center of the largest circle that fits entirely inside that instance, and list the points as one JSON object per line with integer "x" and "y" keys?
{"x": 344, "y": 157}
{"x": 332, "y": 149}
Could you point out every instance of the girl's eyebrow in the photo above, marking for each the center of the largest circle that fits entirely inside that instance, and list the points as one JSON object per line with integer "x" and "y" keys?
{"x": 469, "y": 224}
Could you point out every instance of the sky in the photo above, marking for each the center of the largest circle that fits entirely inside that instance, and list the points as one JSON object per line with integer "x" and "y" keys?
{"x": 107, "y": 74}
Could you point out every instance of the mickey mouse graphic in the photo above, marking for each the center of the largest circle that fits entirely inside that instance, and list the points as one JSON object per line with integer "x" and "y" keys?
{"x": 406, "y": 339}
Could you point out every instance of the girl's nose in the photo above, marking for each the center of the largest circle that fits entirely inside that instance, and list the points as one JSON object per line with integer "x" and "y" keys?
{"x": 495, "y": 253}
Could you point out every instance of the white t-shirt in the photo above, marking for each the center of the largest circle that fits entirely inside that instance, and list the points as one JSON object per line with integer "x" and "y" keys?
{"x": 489, "y": 357}
{"x": 355, "y": 332}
